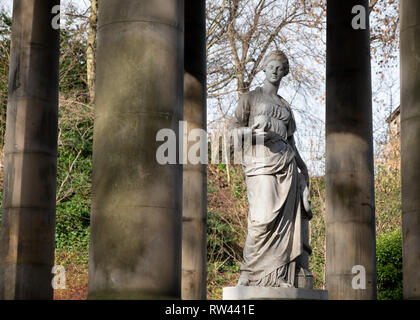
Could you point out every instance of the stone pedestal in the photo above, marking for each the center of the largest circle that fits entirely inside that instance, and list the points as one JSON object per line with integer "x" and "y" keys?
{"x": 272, "y": 293}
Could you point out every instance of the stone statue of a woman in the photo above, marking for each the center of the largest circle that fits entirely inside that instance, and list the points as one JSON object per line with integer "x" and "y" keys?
{"x": 277, "y": 192}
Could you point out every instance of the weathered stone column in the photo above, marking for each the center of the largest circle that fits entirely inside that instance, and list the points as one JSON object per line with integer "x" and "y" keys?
{"x": 194, "y": 253}
{"x": 410, "y": 139}
{"x": 350, "y": 205}
{"x": 30, "y": 164}
{"x": 136, "y": 220}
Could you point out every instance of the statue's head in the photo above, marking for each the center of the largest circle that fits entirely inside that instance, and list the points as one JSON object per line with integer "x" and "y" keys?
{"x": 275, "y": 65}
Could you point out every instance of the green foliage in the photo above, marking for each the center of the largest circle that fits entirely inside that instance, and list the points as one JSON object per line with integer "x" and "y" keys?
{"x": 222, "y": 254}
{"x": 220, "y": 275}
{"x": 226, "y": 226}
{"x": 389, "y": 265}
{"x": 1, "y": 201}
{"x": 227, "y": 214}
{"x": 317, "y": 231}
{"x": 72, "y": 225}
{"x": 73, "y": 58}
{"x": 221, "y": 239}
{"x": 238, "y": 184}
{"x": 75, "y": 140}
{"x": 387, "y": 199}
{"x": 74, "y": 178}
{"x": 5, "y": 28}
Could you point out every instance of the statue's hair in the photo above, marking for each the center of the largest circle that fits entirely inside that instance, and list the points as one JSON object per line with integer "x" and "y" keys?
{"x": 277, "y": 55}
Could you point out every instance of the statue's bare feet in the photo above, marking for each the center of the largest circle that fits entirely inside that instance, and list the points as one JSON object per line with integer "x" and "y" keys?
{"x": 284, "y": 284}
{"x": 243, "y": 281}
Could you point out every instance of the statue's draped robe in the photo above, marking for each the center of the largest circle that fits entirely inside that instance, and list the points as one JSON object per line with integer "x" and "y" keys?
{"x": 274, "y": 219}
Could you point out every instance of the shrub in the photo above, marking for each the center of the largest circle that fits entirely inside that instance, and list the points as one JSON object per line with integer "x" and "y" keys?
{"x": 389, "y": 266}
{"x": 74, "y": 170}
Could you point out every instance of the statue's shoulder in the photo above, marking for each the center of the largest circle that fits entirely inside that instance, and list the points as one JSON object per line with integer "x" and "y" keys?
{"x": 252, "y": 94}
{"x": 248, "y": 97}
{"x": 284, "y": 101}
{"x": 256, "y": 91}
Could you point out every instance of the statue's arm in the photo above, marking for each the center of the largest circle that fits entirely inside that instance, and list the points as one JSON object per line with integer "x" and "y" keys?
{"x": 241, "y": 116}
{"x": 240, "y": 120}
{"x": 299, "y": 161}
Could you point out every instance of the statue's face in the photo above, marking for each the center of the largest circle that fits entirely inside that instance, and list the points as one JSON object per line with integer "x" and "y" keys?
{"x": 274, "y": 71}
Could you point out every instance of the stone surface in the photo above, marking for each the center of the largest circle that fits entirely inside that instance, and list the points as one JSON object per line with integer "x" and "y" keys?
{"x": 272, "y": 293}
{"x": 350, "y": 201}
{"x": 410, "y": 137}
{"x": 28, "y": 221}
{"x": 136, "y": 218}
{"x": 194, "y": 210}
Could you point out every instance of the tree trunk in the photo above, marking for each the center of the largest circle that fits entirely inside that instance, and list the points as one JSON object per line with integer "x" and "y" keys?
{"x": 28, "y": 223}
{"x": 91, "y": 49}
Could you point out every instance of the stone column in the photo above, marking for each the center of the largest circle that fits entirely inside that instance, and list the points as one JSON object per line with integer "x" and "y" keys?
{"x": 30, "y": 164}
{"x": 194, "y": 253}
{"x": 350, "y": 203}
{"x": 136, "y": 219}
{"x": 410, "y": 139}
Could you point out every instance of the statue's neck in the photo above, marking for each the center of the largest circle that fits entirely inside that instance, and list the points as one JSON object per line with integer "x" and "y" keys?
{"x": 270, "y": 88}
